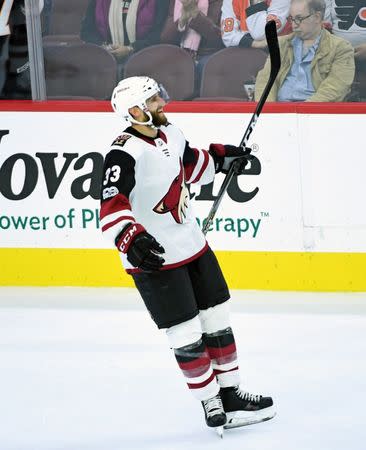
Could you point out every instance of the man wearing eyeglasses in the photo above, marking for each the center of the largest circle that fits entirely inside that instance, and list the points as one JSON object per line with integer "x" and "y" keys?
{"x": 316, "y": 65}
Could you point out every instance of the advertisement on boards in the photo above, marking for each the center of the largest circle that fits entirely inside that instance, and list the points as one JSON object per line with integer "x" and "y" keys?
{"x": 51, "y": 171}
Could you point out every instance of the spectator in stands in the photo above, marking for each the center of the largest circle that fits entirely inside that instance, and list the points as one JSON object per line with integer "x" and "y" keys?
{"x": 316, "y": 65}
{"x": 195, "y": 26}
{"x": 4, "y": 42}
{"x": 348, "y": 20}
{"x": 17, "y": 77}
{"x": 243, "y": 21}
{"x": 124, "y": 27}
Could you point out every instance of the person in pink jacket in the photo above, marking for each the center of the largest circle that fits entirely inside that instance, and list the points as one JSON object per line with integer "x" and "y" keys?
{"x": 195, "y": 26}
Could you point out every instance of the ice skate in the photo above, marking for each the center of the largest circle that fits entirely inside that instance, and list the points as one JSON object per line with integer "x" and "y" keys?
{"x": 242, "y": 408}
{"x": 214, "y": 414}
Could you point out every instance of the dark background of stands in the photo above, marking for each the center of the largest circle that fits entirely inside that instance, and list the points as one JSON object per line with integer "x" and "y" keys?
{"x": 85, "y": 71}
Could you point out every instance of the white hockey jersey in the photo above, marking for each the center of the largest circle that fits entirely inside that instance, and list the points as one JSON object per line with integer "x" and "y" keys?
{"x": 347, "y": 18}
{"x": 239, "y": 18}
{"x": 145, "y": 181}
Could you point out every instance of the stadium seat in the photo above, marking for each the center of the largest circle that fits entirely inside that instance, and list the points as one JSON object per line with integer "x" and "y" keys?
{"x": 226, "y": 72}
{"x": 61, "y": 38}
{"x": 79, "y": 70}
{"x": 66, "y": 16}
{"x": 168, "y": 64}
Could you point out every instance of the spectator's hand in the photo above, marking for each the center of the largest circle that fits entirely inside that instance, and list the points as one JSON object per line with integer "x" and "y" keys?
{"x": 120, "y": 51}
{"x": 190, "y": 6}
{"x": 190, "y": 10}
{"x": 259, "y": 44}
{"x": 360, "y": 52}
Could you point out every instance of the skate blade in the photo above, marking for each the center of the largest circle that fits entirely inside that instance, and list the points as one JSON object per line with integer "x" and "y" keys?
{"x": 243, "y": 418}
{"x": 220, "y": 431}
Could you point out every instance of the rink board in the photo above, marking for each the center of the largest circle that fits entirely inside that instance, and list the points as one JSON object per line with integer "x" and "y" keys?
{"x": 295, "y": 221}
{"x": 243, "y": 270}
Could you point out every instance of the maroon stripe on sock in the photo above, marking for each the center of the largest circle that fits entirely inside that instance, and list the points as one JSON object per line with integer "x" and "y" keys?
{"x": 196, "y": 367}
{"x": 225, "y": 359}
{"x": 216, "y": 352}
{"x": 197, "y": 362}
{"x": 223, "y": 355}
{"x": 218, "y": 372}
{"x": 199, "y": 371}
{"x": 203, "y": 384}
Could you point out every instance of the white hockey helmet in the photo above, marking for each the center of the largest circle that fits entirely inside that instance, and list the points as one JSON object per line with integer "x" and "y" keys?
{"x": 134, "y": 91}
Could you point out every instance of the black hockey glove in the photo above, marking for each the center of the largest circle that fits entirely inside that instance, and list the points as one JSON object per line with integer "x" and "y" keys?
{"x": 141, "y": 248}
{"x": 225, "y": 155}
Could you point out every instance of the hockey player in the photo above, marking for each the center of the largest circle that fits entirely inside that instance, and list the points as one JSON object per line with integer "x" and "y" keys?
{"x": 146, "y": 212}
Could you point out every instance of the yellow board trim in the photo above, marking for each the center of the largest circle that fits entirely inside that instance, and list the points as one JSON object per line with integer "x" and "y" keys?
{"x": 295, "y": 271}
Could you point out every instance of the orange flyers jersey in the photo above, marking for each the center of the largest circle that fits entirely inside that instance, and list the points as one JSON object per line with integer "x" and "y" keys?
{"x": 239, "y": 18}
{"x": 347, "y": 19}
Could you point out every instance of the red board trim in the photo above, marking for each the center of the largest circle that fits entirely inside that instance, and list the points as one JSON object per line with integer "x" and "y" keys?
{"x": 187, "y": 107}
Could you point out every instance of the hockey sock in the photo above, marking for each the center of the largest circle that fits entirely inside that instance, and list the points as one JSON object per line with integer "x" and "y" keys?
{"x": 194, "y": 361}
{"x": 220, "y": 342}
{"x": 222, "y": 350}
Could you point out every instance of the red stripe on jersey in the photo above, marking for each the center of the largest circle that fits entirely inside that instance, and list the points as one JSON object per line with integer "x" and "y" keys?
{"x": 218, "y": 372}
{"x": 111, "y": 224}
{"x": 203, "y": 168}
{"x": 189, "y": 168}
{"x": 117, "y": 203}
{"x": 216, "y": 352}
{"x": 162, "y": 136}
{"x": 203, "y": 384}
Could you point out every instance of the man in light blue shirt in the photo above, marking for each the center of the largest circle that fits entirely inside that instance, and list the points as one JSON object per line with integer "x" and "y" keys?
{"x": 316, "y": 65}
{"x": 298, "y": 86}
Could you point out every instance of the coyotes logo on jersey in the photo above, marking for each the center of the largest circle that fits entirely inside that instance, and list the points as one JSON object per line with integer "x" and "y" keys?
{"x": 175, "y": 200}
{"x": 121, "y": 140}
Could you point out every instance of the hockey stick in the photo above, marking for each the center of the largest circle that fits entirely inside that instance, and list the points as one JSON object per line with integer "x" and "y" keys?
{"x": 275, "y": 58}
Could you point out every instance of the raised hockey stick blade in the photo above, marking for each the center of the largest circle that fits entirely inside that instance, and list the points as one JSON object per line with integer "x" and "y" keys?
{"x": 275, "y": 59}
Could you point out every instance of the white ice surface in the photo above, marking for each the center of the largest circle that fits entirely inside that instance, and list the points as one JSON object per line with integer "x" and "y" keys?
{"x": 86, "y": 369}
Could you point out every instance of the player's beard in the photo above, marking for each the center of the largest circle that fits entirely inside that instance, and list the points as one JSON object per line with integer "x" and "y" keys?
{"x": 158, "y": 119}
